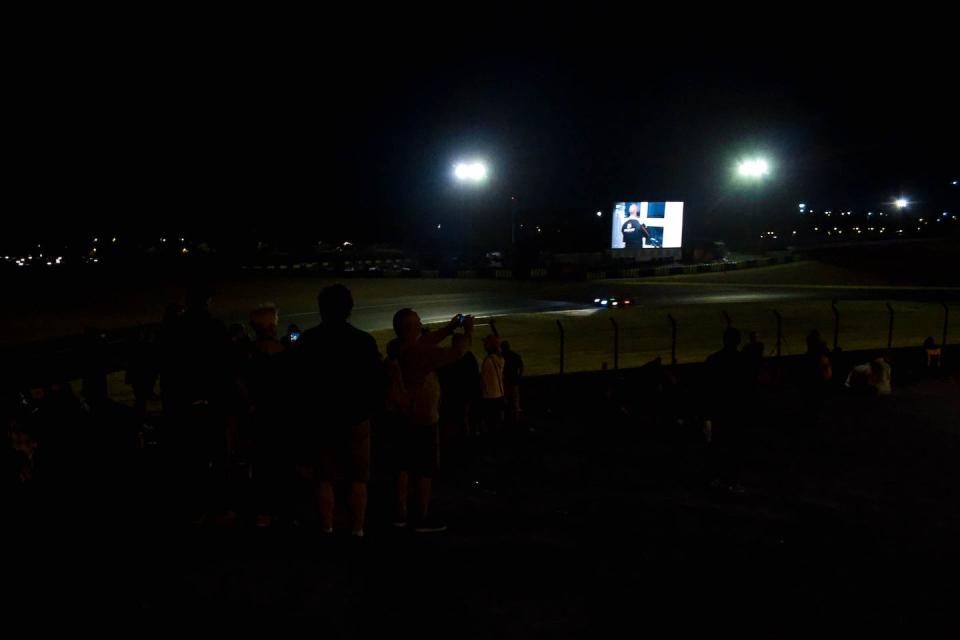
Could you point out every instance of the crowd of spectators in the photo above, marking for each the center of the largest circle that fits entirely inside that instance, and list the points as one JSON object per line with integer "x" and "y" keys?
{"x": 252, "y": 422}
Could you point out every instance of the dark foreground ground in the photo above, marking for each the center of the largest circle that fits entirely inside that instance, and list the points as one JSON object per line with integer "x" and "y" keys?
{"x": 599, "y": 519}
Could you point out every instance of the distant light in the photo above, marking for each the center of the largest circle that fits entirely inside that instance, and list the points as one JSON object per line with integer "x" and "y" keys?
{"x": 596, "y": 301}
{"x": 163, "y": 239}
{"x": 803, "y": 206}
{"x": 603, "y": 302}
{"x": 181, "y": 239}
{"x": 113, "y": 239}
{"x": 599, "y": 214}
{"x": 945, "y": 213}
{"x": 475, "y": 171}
{"x": 954, "y": 183}
{"x": 614, "y": 303}
{"x": 756, "y": 168}
{"x": 626, "y": 302}
{"x": 347, "y": 244}
{"x": 901, "y": 203}
{"x": 96, "y": 239}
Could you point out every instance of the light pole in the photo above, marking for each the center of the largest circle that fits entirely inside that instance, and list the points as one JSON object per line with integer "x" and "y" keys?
{"x": 752, "y": 170}
{"x": 475, "y": 173}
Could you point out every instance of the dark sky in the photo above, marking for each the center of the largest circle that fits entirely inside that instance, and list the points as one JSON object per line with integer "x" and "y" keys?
{"x": 338, "y": 127}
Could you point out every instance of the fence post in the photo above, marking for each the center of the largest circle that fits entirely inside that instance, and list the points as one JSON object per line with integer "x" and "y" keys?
{"x": 836, "y": 322}
{"x": 890, "y": 327}
{"x": 776, "y": 314}
{"x": 946, "y": 317}
{"x": 726, "y": 316}
{"x": 673, "y": 339}
{"x": 616, "y": 343}
{"x": 560, "y": 326}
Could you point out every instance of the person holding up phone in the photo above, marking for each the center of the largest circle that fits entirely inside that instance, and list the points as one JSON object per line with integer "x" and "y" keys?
{"x": 419, "y": 356}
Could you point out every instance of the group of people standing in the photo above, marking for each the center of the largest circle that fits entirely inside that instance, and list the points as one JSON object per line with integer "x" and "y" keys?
{"x": 306, "y": 410}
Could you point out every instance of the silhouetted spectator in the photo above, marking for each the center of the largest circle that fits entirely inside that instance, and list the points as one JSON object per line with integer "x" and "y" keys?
{"x": 753, "y": 357}
{"x": 725, "y": 384}
{"x": 817, "y": 366}
{"x": 459, "y": 385}
{"x": 459, "y": 395}
{"x": 267, "y": 383}
{"x": 195, "y": 380}
{"x": 143, "y": 369}
{"x": 492, "y": 392}
{"x": 420, "y": 357}
{"x": 96, "y": 360}
{"x": 112, "y": 444}
{"x": 345, "y": 386}
{"x": 512, "y": 373}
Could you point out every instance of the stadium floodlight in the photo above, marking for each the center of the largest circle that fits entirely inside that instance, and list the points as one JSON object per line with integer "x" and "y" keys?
{"x": 473, "y": 172}
{"x": 754, "y": 168}
{"x": 901, "y": 203}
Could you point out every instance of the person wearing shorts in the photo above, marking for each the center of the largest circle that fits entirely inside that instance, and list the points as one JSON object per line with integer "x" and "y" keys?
{"x": 344, "y": 385}
{"x": 418, "y": 357}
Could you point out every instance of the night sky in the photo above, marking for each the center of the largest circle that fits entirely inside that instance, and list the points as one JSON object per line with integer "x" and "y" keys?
{"x": 338, "y": 128}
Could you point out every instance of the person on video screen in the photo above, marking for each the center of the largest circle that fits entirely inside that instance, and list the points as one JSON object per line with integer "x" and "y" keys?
{"x": 633, "y": 230}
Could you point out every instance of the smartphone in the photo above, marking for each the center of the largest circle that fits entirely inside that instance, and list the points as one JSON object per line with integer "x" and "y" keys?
{"x": 294, "y": 336}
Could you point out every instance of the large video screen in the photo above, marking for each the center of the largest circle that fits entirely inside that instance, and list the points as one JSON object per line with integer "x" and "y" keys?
{"x": 647, "y": 225}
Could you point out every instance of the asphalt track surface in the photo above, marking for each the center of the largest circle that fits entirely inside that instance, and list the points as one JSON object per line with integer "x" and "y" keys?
{"x": 46, "y": 314}
{"x": 528, "y": 298}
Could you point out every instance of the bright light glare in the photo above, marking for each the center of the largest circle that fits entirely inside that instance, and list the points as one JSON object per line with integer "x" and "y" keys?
{"x": 470, "y": 171}
{"x": 599, "y": 214}
{"x": 901, "y": 203}
{"x": 753, "y": 168}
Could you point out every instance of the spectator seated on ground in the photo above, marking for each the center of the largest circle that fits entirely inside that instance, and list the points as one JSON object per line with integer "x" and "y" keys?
{"x": 871, "y": 377}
